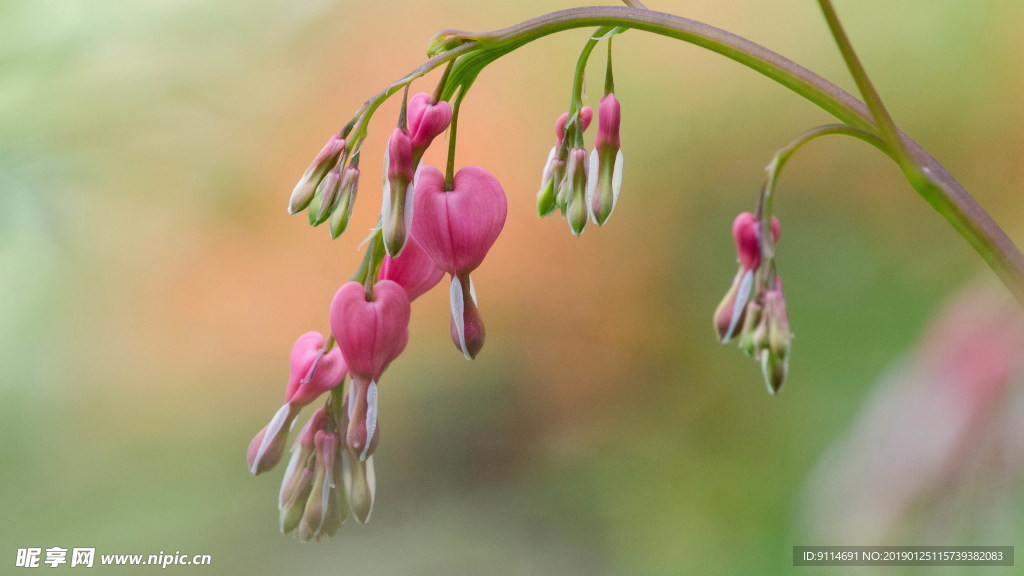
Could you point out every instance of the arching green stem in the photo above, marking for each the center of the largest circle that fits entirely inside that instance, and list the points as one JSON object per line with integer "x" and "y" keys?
{"x": 927, "y": 176}
{"x": 771, "y": 178}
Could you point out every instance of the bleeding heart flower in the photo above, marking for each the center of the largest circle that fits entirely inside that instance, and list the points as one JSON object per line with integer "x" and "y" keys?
{"x": 456, "y": 228}
{"x": 313, "y": 371}
{"x": 414, "y": 270}
{"x": 371, "y": 332}
{"x": 427, "y": 120}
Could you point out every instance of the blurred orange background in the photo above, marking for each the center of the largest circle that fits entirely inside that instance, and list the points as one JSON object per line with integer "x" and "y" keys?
{"x": 151, "y": 283}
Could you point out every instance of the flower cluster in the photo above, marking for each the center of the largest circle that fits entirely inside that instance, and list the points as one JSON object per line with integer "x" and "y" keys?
{"x": 457, "y": 220}
{"x": 583, "y": 186}
{"x": 754, "y": 309}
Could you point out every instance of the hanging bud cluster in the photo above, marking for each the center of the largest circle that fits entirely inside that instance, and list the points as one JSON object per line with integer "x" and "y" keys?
{"x": 327, "y": 190}
{"x": 754, "y": 310}
{"x": 584, "y": 186}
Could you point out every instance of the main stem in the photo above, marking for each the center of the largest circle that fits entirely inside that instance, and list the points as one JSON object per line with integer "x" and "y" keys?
{"x": 928, "y": 177}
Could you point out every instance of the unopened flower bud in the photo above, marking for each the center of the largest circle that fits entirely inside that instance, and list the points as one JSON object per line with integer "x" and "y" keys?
{"x": 322, "y": 164}
{"x": 314, "y": 370}
{"x": 298, "y": 478}
{"x": 396, "y": 211}
{"x": 427, "y": 120}
{"x": 773, "y": 338}
{"x": 575, "y": 183}
{"x": 346, "y": 201}
{"x": 267, "y": 446}
{"x": 586, "y": 114}
{"x": 730, "y": 312}
{"x": 360, "y": 485}
{"x": 325, "y": 199}
{"x": 746, "y": 233}
{"x": 324, "y": 513}
{"x": 554, "y": 172}
{"x": 605, "y": 178}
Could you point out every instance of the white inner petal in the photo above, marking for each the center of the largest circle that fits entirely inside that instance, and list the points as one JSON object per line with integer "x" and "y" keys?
{"x": 616, "y": 179}
{"x": 371, "y": 418}
{"x": 458, "y": 314}
{"x": 741, "y": 301}
{"x": 592, "y": 183}
{"x": 547, "y": 166}
{"x": 273, "y": 429}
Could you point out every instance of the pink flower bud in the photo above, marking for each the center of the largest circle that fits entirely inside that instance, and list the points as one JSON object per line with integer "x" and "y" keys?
{"x": 605, "y": 178}
{"x": 414, "y": 270}
{"x": 426, "y": 121}
{"x": 554, "y": 169}
{"x": 267, "y": 447}
{"x": 322, "y": 164}
{"x": 370, "y": 332}
{"x": 457, "y": 228}
{"x": 585, "y": 116}
{"x": 313, "y": 371}
{"x": 397, "y": 207}
{"x": 745, "y": 231}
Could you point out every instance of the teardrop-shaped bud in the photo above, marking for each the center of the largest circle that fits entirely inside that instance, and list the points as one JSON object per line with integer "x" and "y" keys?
{"x": 346, "y": 201}
{"x": 322, "y": 164}
{"x": 397, "y": 206}
{"x": 576, "y": 175}
{"x": 267, "y": 447}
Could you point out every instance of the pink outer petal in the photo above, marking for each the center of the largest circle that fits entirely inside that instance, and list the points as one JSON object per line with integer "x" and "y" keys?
{"x": 586, "y": 115}
{"x": 370, "y": 334}
{"x": 609, "y": 116}
{"x": 329, "y": 371}
{"x": 414, "y": 270}
{"x": 457, "y": 228}
{"x": 426, "y": 120}
{"x": 745, "y": 233}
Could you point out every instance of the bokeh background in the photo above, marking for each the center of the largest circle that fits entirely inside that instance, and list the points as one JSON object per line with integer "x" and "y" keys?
{"x": 151, "y": 286}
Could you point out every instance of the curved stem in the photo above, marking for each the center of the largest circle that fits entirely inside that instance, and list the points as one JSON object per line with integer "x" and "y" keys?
{"x": 449, "y": 173}
{"x": 771, "y": 178}
{"x": 883, "y": 119}
{"x": 935, "y": 184}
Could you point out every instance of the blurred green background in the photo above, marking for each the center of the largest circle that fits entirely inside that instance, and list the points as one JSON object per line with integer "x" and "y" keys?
{"x": 151, "y": 283}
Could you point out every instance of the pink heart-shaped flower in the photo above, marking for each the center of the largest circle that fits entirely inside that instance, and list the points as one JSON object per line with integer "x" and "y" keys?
{"x": 457, "y": 227}
{"x": 313, "y": 372}
{"x": 370, "y": 333}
